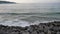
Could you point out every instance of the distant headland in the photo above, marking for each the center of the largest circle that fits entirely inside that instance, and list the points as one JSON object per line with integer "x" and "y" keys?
{"x": 7, "y": 2}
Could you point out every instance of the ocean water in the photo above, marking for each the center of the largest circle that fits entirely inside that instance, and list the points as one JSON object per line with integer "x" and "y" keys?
{"x": 28, "y": 14}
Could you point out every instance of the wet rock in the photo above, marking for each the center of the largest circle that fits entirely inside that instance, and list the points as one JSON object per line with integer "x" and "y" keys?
{"x": 49, "y": 32}
{"x": 24, "y": 32}
{"x": 14, "y": 33}
{"x": 41, "y": 33}
{"x": 34, "y": 32}
{"x": 58, "y": 32}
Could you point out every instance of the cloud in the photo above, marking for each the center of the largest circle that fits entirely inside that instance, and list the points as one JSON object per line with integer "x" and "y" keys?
{"x": 34, "y": 1}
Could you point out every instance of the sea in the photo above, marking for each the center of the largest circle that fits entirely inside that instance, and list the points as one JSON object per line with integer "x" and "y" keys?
{"x": 26, "y": 14}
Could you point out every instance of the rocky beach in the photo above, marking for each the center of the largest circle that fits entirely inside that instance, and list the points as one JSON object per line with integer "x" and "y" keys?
{"x": 28, "y": 17}
{"x": 42, "y": 28}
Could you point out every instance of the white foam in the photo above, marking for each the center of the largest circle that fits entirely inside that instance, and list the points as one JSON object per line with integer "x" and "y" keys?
{"x": 22, "y": 23}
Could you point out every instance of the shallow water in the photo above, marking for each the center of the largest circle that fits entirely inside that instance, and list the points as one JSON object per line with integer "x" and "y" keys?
{"x": 28, "y": 14}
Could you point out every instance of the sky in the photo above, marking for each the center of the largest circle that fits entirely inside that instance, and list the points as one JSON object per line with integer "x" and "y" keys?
{"x": 34, "y": 1}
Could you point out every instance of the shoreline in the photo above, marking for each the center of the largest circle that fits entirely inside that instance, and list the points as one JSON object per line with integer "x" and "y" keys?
{"x": 42, "y": 28}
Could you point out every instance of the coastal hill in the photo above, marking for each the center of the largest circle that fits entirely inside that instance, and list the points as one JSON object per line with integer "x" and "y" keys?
{"x": 6, "y": 2}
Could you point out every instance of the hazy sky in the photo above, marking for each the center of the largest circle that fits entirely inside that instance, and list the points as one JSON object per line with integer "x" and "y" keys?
{"x": 34, "y": 1}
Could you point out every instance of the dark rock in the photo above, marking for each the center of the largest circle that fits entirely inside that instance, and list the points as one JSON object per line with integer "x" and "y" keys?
{"x": 58, "y": 32}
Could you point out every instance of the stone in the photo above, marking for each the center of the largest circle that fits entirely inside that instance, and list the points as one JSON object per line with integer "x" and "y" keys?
{"x": 58, "y": 32}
